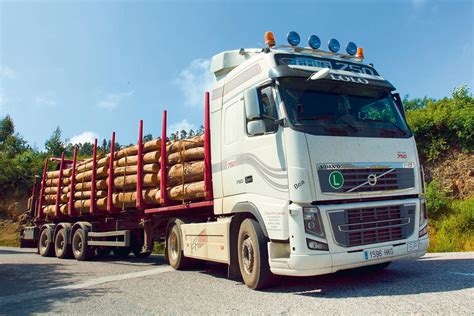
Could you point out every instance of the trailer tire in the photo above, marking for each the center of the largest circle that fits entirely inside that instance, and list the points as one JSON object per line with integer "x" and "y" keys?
{"x": 174, "y": 248}
{"x": 45, "y": 245}
{"x": 61, "y": 247}
{"x": 253, "y": 255}
{"x": 80, "y": 248}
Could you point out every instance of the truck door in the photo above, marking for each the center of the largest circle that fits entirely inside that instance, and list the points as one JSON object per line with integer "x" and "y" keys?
{"x": 265, "y": 170}
{"x": 232, "y": 136}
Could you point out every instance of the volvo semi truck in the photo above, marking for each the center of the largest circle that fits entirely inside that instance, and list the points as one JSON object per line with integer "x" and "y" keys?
{"x": 310, "y": 168}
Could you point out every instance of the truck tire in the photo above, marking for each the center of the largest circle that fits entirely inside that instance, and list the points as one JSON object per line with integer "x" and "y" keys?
{"x": 253, "y": 255}
{"x": 61, "y": 247}
{"x": 174, "y": 248}
{"x": 45, "y": 246}
{"x": 121, "y": 252}
{"x": 137, "y": 245}
{"x": 80, "y": 249}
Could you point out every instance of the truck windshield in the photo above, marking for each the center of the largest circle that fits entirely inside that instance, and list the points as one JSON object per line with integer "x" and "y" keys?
{"x": 330, "y": 108}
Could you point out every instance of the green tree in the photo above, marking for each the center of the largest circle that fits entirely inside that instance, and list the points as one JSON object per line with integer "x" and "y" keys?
{"x": 7, "y": 128}
{"x": 54, "y": 145}
{"x": 147, "y": 137}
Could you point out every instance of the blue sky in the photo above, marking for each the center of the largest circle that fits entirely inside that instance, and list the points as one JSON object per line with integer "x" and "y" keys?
{"x": 92, "y": 67}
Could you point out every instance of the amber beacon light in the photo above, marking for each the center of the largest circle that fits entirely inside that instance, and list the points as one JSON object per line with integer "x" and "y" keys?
{"x": 269, "y": 39}
{"x": 360, "y": 53}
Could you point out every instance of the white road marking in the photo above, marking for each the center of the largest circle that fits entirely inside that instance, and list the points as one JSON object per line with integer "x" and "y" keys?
{"x": 12, "y": 299}
{"x": 463, "y": 273}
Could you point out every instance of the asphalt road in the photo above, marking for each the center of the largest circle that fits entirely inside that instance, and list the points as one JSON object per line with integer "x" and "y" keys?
{"x": 29, "y": 283}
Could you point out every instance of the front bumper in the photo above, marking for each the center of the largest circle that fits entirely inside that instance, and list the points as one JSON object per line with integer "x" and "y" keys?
{"x": 316, "y": 264}
{"x": 305, "y": 262}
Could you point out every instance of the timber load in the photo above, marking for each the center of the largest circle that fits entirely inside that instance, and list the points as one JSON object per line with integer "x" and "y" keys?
{"x": 86, "y": 187}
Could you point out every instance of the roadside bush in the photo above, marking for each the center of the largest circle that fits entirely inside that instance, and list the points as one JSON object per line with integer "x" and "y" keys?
{"x": 437, "y": 200}
{"x": 444, "y": 124}
{"x": 454, "y": 232}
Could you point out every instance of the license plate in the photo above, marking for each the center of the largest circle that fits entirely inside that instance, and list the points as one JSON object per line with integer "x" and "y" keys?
{"x": 412, "y": 246}
{"x": 378, "y": 253}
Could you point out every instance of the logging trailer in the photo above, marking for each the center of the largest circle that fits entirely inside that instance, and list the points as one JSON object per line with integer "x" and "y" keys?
{"x": 309, "y": 168}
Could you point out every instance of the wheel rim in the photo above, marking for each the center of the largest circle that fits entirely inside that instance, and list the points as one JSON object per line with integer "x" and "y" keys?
{"x": 44, "y": 242}
{"x": 174, "y": 245}
{"x": 248, "y": 255}
{"x": 77, "y": 244}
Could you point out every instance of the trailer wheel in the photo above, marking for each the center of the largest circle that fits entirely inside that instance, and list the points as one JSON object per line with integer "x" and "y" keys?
{"x": 174, "y": 248}
{"x": 253, "y": 255}
{"x": 61, "y": 247}
{"x": 45, "y": 245}
{"x": 80, "y": 249}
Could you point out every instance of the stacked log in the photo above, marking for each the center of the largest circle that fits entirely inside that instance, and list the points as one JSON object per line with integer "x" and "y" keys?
{"x": 185, "y": 169}
{"x": 184, "y": 172}
{"x": 83, "y": 184}
{"x": 51, "y": 189}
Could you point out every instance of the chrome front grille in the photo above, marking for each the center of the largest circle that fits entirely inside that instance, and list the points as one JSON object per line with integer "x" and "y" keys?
{"x": 363, "y": 226}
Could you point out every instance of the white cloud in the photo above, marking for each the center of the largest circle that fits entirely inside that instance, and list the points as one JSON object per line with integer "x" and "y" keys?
{"x": 194, "y": 80}
{"x": 48, "y": 99}
{"x": 7, "y": 72}
{"x": 179, "y": 126}
{"x": 85, "y": 137}
{"x": 112, "y": 100}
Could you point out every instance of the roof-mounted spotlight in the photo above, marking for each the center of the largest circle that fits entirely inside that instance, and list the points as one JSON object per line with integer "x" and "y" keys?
{"x": 334, "y": 45}
{"x": 293, "y": 38}
{"x": 351, "y": 48}
{"x": 314, "y": 42}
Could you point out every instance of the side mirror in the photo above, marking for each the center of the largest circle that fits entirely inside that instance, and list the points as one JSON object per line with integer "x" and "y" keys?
{"x": 252, "y": 107}
{"x": 256, "y": 127}
{"x": 398, "y": 102}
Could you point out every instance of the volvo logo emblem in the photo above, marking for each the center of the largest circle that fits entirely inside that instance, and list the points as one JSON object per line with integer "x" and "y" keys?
{"x": 372, "y": 179}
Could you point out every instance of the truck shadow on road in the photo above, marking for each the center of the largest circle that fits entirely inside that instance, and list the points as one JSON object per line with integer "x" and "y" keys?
{"x": 34, "y": 288}
{"x": 400, "y": 278}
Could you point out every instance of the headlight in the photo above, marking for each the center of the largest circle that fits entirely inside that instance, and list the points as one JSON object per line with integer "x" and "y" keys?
{"x": 423, "y": 231}
{"x": 312, "y": 222}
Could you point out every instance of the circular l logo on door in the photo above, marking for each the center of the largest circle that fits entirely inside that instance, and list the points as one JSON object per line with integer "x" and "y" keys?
{"x": 336, "y": 180}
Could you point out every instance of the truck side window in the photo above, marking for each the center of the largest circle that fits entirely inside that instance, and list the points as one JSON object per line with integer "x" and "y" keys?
{"x": 268, "y": 109}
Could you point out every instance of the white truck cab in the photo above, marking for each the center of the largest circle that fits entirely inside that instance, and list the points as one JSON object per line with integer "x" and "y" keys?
{"x": 314, "y": 146}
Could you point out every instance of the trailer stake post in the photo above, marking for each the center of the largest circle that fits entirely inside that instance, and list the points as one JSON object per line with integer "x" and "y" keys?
{"x": 57, "y": 212}
{"x": 163, "y": 175}
{"x": 43, "y": 184}
{"x": 139, "y": 202}
{"x": 208, "y": 193}
{"x": 93, "y": 176}
{"x": 110, "y": 186}
{"x": 33, "y": 198}
{"x": 72, "y": 189}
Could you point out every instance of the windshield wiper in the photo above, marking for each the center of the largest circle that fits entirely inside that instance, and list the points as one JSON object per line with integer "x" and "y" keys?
{"x": 315, "y": 118}
{"x": 355, "y": 129}
{"x": 391, "y": 123}
{"x": 397, "y": 127}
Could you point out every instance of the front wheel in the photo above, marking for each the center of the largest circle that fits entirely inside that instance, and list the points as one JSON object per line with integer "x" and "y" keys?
{"x": 174, "y": 248}
{"x": 253, "y": 255}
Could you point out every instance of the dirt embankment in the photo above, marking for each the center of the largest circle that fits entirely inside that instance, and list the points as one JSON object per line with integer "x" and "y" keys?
{"x": 11, "y": 219}
{"x": 455, "y": 172}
